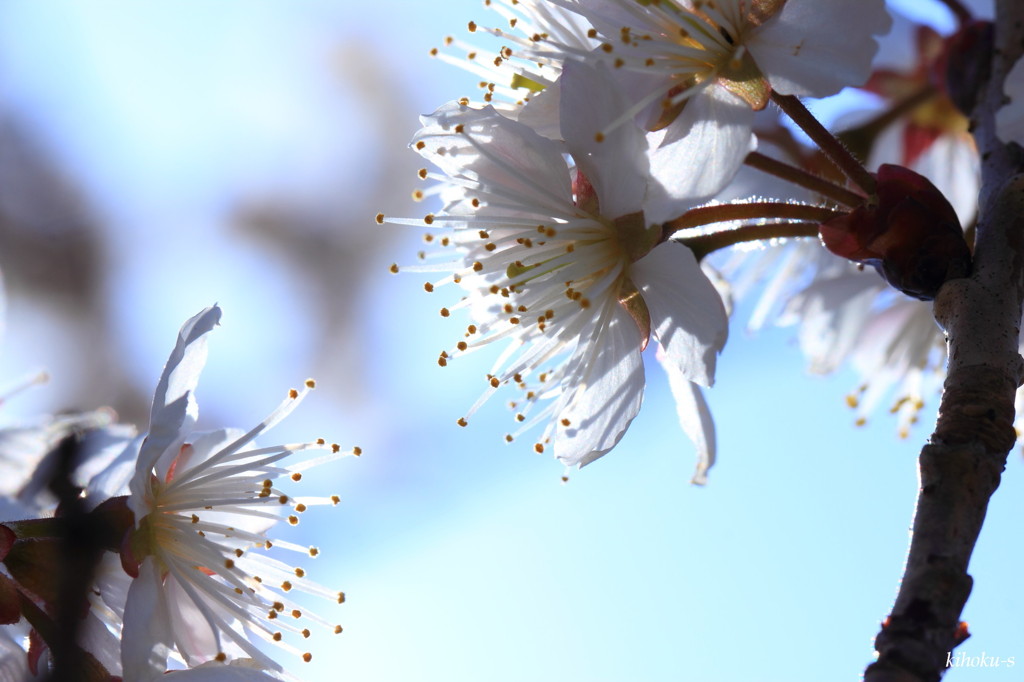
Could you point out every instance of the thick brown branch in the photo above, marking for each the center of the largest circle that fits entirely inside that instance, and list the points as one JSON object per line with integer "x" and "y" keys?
{"x": 961, "y": 467}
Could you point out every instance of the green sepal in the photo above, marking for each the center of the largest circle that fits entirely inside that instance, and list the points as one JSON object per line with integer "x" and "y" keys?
{"x": 36, "y": 564}
{"x": 636, "y": 237}
{"x": 10, "y": 603}
{"x": 631, "y": 299}
{"x": 742, "y": 78}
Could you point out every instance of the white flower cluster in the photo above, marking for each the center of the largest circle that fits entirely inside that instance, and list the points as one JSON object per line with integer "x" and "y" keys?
{"x": 194, "y": 589}
{"x": 616, "y": 143}
{"x": 601, "y": 122}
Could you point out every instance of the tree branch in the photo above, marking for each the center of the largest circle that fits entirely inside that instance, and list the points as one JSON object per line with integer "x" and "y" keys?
{"x": 961, "y": 466}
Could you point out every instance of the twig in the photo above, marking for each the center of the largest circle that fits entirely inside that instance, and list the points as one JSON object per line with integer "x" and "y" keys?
{"x": 751, "y": 210}
{"x": 802, "y": 178}
{"x": 703, "y": 244}
{"x": 851, "y": 167}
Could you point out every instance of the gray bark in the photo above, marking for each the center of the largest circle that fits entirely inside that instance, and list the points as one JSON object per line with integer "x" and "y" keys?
{"x": 961, "y": 465}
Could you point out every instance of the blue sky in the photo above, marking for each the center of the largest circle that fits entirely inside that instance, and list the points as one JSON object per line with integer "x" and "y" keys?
{"x": 463, "y": 559}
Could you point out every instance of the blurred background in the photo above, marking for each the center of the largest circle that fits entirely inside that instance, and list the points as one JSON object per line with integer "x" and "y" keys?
{"x": 158, "y": 157}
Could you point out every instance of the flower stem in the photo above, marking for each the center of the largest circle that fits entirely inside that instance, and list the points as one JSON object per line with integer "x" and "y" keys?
{"x": 703, "y": 244}
{"x": 37, "y": 618}
{"x": 800, "y": 177}
{"x": 721, "y": 213}
{"x": 826, "y": 141}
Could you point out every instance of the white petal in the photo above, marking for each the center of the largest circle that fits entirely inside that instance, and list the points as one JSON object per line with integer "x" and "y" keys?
{"x": 496, "y": 153}
{"x": 542, "y": 113}
{"x": 609, "y": 17}
{"x": 104, "y": 645}
{"x": 13, "y": 659}
{"x": 220, "y": 673}
{"x": 146, "y": 636}
{"x": 817, "y": 47}
{"x": 196, "y": 640}
{"x": 687, "y": 315}
{"x": 831, "y": 313}
{"x": 174, "y": 409}
{"x": 694, "y": 417}
{"x": 608, "y": 392}
{"x": 616, "y": 165}
{"x": 699, "y": 153}
{"x": 113, "y": 479}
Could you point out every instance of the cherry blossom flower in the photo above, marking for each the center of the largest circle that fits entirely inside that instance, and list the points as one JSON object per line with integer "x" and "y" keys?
{"x": 696, "y": 71}
{"x": 202, "y": 503}
{"x": 565, "y": 260}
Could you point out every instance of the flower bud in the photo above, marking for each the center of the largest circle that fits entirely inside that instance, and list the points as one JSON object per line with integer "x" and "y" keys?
{"x": 908, "y": 232}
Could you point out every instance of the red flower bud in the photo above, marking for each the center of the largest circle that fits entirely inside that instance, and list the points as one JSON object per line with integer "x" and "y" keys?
{"x": 908, "y": 232}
